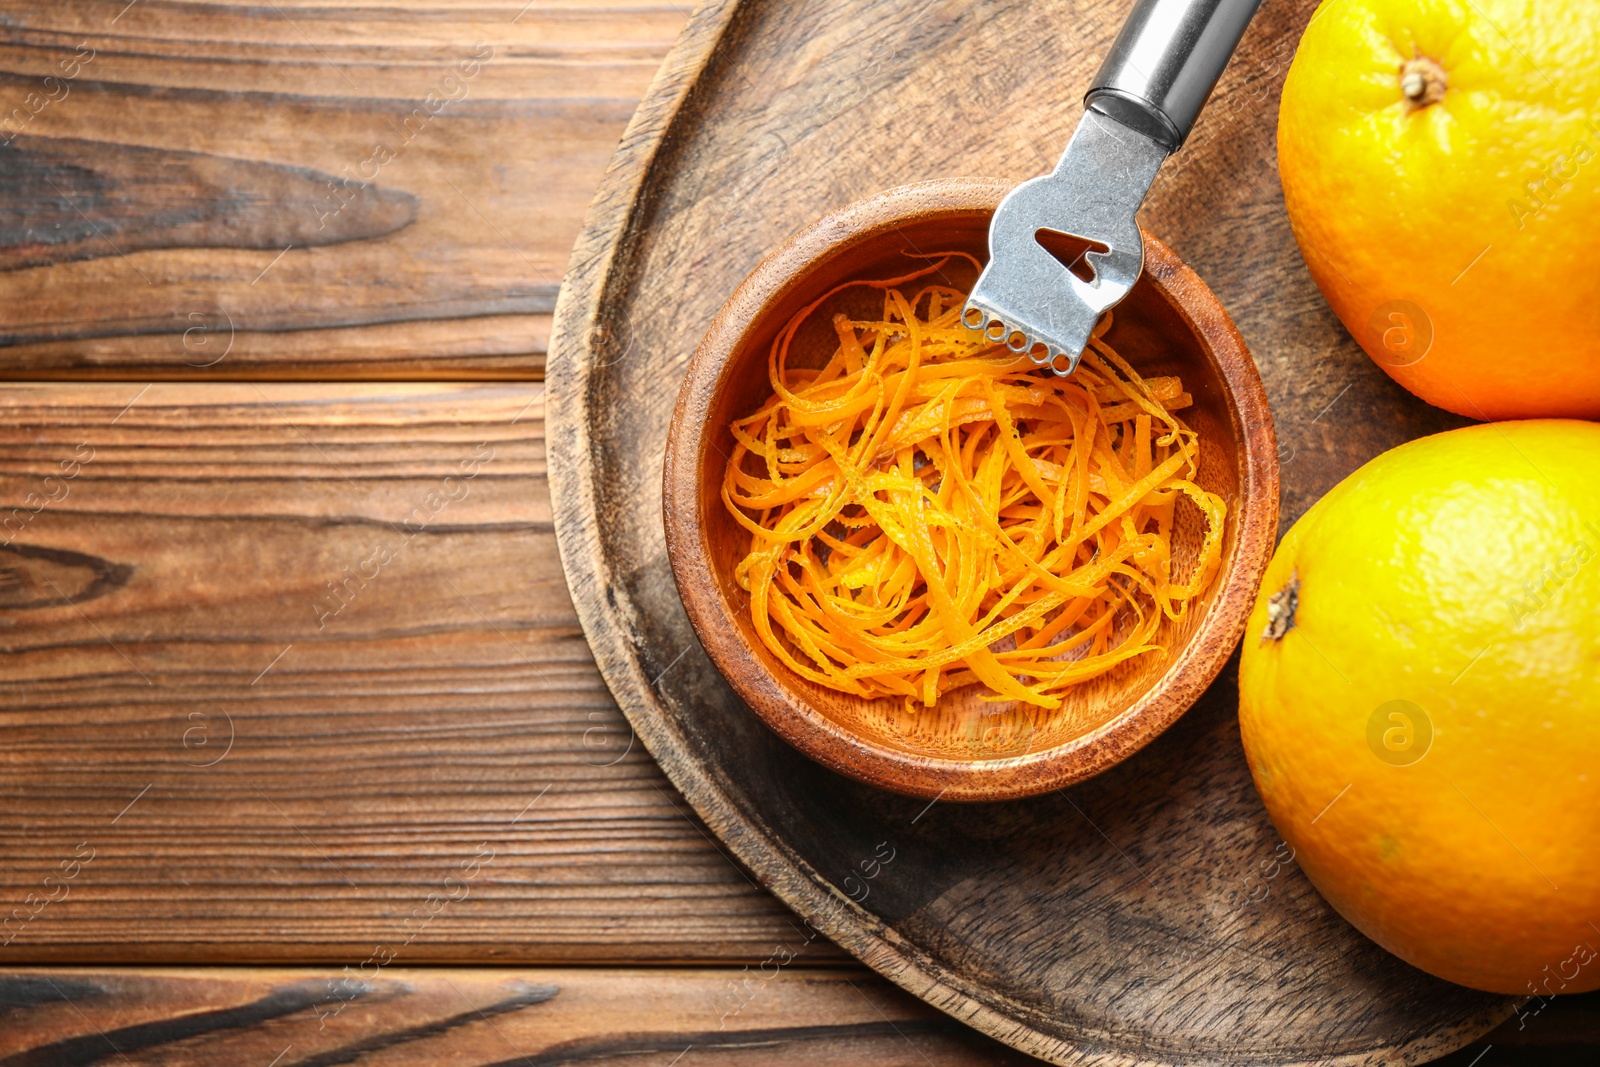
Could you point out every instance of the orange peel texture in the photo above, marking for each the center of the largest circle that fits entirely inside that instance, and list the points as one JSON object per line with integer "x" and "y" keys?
{"x": 930, "y": 510}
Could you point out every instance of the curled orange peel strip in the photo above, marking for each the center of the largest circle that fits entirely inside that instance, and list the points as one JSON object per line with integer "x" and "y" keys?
{"x": 929, "y": 510}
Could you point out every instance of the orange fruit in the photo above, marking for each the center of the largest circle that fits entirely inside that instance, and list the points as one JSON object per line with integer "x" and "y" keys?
{"x": 1441, "y": 170}
{"x": 1420, "y": 703}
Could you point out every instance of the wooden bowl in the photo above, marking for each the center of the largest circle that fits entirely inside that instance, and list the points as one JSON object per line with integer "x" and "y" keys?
{"x": 965, "y": 748}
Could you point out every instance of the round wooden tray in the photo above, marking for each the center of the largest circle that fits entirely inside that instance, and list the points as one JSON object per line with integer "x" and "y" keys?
{"x": 1150, "y": 915}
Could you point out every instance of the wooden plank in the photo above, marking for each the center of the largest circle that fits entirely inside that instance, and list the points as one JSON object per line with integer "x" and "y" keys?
{"x": 302, "y": 190}
{"x": 357, "y": 586}
{"x": 494, "y": 1016}
{"x": 379, "y": 1015}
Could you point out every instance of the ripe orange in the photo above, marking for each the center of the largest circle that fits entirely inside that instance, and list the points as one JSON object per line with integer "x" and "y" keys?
{"x": 1441, "y": 169}
{"x": 1423, "y": 718}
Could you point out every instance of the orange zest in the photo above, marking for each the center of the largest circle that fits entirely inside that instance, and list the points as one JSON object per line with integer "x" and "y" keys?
{"x": 930, "y": 510}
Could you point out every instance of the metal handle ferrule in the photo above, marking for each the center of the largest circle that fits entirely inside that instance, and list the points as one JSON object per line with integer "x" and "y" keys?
{"x": 1165, "y": 62}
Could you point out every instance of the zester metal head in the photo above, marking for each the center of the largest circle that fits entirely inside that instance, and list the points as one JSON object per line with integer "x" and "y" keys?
{"x": 1027, "y": 297}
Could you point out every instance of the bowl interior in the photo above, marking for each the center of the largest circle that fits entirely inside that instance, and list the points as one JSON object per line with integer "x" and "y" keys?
{"x": 1149, "y": 329}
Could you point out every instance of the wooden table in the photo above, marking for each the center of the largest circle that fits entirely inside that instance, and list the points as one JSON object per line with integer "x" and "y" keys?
{"x": 306, "y": 760}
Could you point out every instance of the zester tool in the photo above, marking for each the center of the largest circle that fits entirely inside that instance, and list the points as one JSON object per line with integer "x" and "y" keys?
{"x": 1064, "y": 247}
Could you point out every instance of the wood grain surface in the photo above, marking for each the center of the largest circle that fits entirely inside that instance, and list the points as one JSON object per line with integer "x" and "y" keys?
{"x": 549, "y": 1017}
{"x": 159, "y": 589}
{"x": 1115, "y": 922}
{"x": 537, "y": 1018}
{"x": 305, "y": 189}
{"x": 284, "y": 657}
